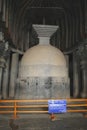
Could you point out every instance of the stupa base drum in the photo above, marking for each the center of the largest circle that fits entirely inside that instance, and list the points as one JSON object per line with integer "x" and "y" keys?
{"x": 44, "y": 87}
{"x": 43, "y": 70}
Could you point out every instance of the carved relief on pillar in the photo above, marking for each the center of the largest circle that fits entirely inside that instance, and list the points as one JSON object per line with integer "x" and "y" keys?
{"x": 82, "y": 53}
{"x": 4, "y": 50}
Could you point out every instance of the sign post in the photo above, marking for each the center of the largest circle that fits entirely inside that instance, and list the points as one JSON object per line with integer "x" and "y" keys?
{"x": 56, "y": 106}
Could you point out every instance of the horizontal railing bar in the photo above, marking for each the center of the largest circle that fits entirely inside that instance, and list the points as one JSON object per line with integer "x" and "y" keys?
{"x": 9, "y": 101}
{"x": 71, "y": 105}
{"x": 32, "y": 111}
{"x": 77, "y": 105}
{"x": 77, "y": 110}
{"x": 4, "y": 112}
{"x": 6, "y": 106}
{"x": 31, "y": 106}
{"x": 68, "y": 105}
{"x": 40, "y": 100}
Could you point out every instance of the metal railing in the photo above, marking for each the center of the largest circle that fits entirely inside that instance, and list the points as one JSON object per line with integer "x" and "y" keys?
{"x": 35, "y": 106}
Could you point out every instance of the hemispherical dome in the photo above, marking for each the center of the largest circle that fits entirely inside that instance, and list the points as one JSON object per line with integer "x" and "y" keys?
{"x": 43, "y": 60}
{"x": 43, "y": 54}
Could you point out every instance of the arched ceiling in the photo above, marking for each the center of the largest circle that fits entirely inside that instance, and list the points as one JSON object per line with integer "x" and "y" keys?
{"x": 68, "y": 14}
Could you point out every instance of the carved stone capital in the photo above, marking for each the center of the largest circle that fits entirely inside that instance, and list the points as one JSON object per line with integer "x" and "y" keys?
{"x": 1, "y": 36}
{"x": 82, "y": 51}
{"x": 2, "y": 62}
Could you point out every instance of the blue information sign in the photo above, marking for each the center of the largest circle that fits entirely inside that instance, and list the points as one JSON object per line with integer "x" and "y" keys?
{"x": 57, "y": 106}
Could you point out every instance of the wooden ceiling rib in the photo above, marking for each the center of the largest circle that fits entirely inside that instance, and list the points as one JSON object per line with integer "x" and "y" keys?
{"x": 41, "y": 3}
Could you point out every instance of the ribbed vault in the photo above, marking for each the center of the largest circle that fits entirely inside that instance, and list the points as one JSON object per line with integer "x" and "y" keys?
{"x": 69, "y": 15}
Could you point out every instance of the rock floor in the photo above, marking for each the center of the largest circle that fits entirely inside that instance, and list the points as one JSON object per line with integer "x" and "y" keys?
{"x": 44, "y": 123}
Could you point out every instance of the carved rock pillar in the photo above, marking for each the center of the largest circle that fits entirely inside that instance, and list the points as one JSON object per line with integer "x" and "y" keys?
{"x": 84, "y": 78}
{"x": 5, "y": 80}
{"x": 13, "y": 75}
{"x": 83, "y": 63}
{"x": 2, "y": 65}
{"x": 1, "y": 82}
{"x": 76, "y": 74}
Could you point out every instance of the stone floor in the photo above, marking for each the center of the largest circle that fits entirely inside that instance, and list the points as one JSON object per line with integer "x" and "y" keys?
{"x": 43, "y": 122}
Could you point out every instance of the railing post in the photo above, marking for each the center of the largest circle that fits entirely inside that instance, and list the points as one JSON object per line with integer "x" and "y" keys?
{"x": 15, "y": 111}
{"x": 53, "y": 118}
{"x": 85, "y": 114}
